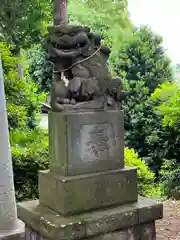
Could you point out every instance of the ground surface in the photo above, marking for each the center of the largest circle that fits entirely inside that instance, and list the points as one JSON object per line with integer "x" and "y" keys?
{"x": 169, "y": 227}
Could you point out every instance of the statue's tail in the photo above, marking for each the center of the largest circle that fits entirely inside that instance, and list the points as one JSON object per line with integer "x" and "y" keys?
{"x": 56, "y": 107}
{"x": 123, "y": 95}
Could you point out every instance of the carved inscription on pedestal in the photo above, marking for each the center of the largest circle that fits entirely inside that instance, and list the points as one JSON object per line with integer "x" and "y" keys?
{"x": 98, "y": 142}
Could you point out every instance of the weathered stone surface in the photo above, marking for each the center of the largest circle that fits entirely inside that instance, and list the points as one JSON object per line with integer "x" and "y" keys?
{"x": 15, "y": 234}
{"x": 51, "y": 225}
{"x": 32, "y": 235}
{"x": 8, "y": 214}
{"x": 116, "y": 218}
{"x": 138, "y": 232}
{"x": 148, "y": 211}
{"x": 78, "y": 53}
{"x": 86, "y": 142}
{"x": 71, "y": 195}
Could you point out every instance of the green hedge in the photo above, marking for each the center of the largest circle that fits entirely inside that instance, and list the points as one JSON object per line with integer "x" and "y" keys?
{"x": 29, "y": 155}
{"x": 170, "y": 179}
{"x": 146, "y": 178}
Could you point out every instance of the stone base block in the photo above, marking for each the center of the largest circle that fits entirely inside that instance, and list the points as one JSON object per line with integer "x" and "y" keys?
{"x": 138, "y": 232}
{"x": 86, "y": 142}
{"x": 16, "y": 234}
{"x": 130, "y": 221}
{"x": 72, "y": 195}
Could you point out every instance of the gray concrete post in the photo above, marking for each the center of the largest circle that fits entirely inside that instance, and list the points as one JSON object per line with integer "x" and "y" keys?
{"x": 9, "y": 223}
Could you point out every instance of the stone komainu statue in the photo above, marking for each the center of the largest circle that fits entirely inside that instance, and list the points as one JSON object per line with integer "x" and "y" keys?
{"x": 78, "y": 53}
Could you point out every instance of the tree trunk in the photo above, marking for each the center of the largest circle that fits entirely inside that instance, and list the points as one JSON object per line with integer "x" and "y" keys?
{"x": 60, "y": 12}
{"x": 8, "y": 214}
{"x": 60, "y": 15}
{"x": 20, "y": 67}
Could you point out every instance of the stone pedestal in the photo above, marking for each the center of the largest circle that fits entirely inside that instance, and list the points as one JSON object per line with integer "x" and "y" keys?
{"x": 86, "y": 142}
{"x": 72, "y": 195}
{"x": 88, "y": 193}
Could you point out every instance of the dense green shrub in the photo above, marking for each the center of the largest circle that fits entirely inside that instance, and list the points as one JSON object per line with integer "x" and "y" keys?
{"x": 28, "y": 143}
{"x": 145, "y": 131}
{"x": 29, "y": 155}
{"x": 167, "y": 95}
{"x": 146, "y": 184}
{"x": 170, "y": 179}
{"x": 40, "y": 69}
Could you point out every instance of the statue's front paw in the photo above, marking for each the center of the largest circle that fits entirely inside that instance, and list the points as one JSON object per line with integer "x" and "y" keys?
{"x": 74, "y": 84}
{"x": 73, "y": 101}
{"x": 63, "y": 100}
{"x": 109, "y": 100}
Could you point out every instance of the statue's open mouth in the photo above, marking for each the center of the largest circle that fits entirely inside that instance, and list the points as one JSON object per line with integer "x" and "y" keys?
{"x": 65, "y": 47}
{"x": 69, "y": 47}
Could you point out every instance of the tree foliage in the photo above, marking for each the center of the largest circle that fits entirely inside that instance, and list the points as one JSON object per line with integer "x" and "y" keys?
{"x": 40, "y": 69}
{"x": 144, "y": 65}
{"x": 110, "y": 18}
{"x": 168, "y": 98}
{"x": 143, "y": 58}
{"x": 23, "y": 22}
{"x": 21, "y": 96}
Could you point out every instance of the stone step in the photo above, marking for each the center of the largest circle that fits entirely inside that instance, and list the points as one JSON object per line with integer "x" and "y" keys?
{"x": 82, "y": 193}
{"x": 50, "y": 225}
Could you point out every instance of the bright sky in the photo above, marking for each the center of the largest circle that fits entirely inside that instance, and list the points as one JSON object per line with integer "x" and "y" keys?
{"x": 163, "y": 16}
